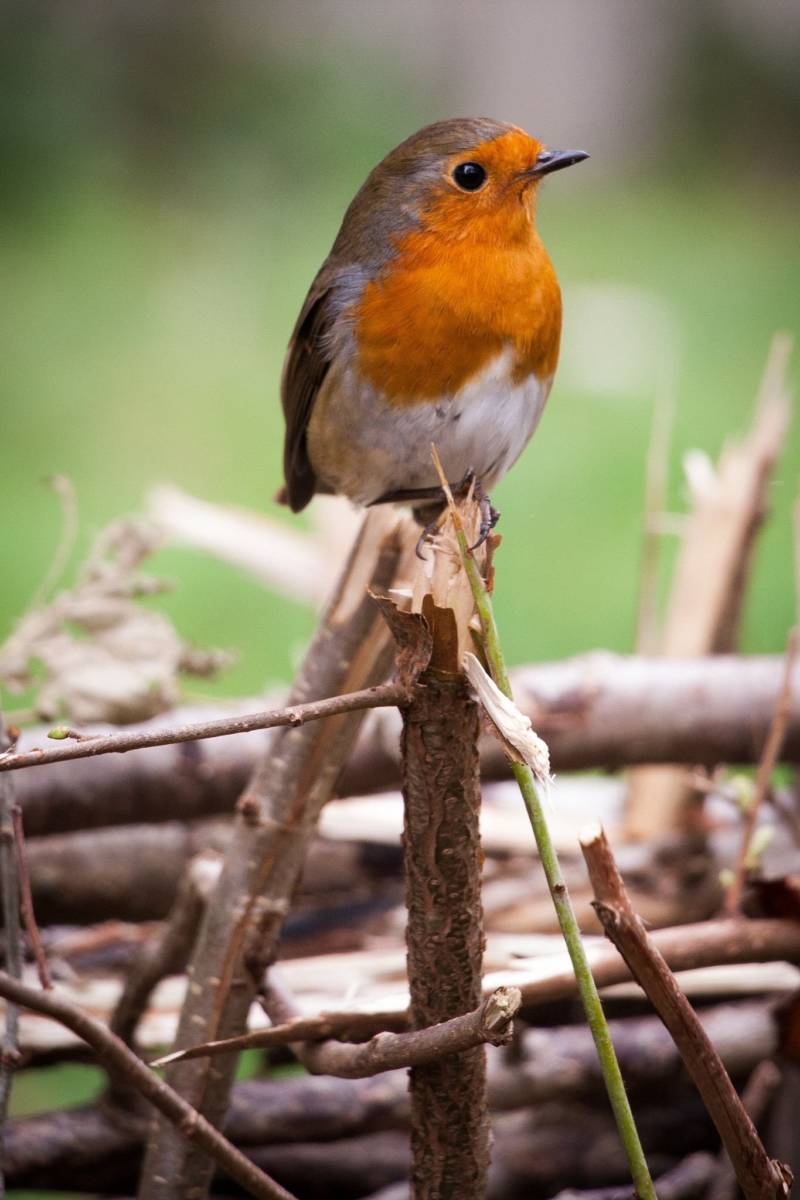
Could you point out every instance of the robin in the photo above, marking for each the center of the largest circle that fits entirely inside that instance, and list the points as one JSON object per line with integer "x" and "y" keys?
{"x": 436, "y": 318}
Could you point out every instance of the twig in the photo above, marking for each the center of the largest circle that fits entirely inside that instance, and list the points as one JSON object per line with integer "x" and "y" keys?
{"x": 9, "y": 888}
{"x": 756, "y": 1098}
{"x": 490, "y": 1023}
{"x": 117, "y": 1057}
{"x": 380, "y": 696}
{"x": 595, "y": 710}
{"x": 760, "y": 1177}
{"x": 766, "y": 766}
{"x": 26, "y": 898}
{"x": 558, "y": 889}
{"x": 169, "y": 952}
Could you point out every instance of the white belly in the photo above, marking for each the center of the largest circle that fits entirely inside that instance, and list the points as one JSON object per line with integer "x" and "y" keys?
{"x": 384, "y": 448}
{"x": 487, "y": 425}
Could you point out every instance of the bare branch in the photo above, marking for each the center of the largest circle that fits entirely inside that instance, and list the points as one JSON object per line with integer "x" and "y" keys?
{"x": 766, "y": 765}
{"x": 596, "y": 710}
{"x": 757, "y": 1096}
{"x": 489, "y": 1023}
{"x": 760, "y": 1177}
{"x": 141, "y": 739}
{"x": 26, "y": 899}
{"x": 118, "y": 1058}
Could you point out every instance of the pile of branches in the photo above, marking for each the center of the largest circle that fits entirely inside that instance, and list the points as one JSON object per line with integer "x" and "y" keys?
{"x": 236, "y": 876}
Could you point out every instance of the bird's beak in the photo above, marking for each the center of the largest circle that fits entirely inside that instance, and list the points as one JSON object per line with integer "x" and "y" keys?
{"x": 554, "y": 160}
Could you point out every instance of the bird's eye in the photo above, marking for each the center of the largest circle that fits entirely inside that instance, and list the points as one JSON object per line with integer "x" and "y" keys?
{"x": 469, "y": 176}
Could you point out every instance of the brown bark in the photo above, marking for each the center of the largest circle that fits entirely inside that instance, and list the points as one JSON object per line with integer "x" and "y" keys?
{"x": 276, "y": 817}
{"x": 449, "y": 1128}
{"x": 132, "y": 872}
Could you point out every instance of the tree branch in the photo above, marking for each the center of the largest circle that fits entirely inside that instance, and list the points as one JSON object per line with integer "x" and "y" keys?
{"x": 118, "y": 1058}
{"x": 596, "y": 710}
{"x": 380, "y": 696}
{"x": 760, "y": 1177}
{"x": 26, "y": 899}
{"x": 490, "y": 1023}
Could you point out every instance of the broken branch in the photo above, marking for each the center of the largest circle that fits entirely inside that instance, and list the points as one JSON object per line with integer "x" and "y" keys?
{"x": 760, "y": 1177}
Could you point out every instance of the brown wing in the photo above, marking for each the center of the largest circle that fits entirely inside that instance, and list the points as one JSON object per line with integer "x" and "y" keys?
{"x": 307, "y": 362}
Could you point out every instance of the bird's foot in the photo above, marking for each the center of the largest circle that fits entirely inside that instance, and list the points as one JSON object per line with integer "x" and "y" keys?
{"x": 489, "y": 514}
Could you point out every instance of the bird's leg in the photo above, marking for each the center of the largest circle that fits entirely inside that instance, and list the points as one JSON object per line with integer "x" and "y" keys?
{"x": 489, "y": 514}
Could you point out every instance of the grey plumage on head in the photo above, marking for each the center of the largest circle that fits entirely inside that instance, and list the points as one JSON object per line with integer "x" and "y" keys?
{"x": 388, "y": 203}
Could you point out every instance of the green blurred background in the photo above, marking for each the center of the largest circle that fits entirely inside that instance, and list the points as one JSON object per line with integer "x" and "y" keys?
{"x": 174, "y": 174}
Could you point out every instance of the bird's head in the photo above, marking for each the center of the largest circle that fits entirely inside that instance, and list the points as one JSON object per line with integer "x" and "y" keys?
{"x": 470, "y": 177}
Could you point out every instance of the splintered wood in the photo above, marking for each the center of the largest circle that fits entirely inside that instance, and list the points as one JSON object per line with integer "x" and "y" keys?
{"x": 728, "y": 505}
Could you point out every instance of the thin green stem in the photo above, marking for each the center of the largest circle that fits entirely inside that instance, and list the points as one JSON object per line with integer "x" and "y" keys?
{"x": 587, "y": 988}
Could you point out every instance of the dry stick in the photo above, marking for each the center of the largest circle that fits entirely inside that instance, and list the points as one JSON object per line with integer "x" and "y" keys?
{"x": 684, "y": 947}
{"x": 759, "y": 1176}
{"x": 276, "y": 817}
{"x": 654, "y": 503}
{"x": 26, "y": 898}
{"x": 587, "y": 987}
{"x": 595, "y": 710}
{"x": 709, "y": 581}
{"x": 490, "y": 1022}
{"x": 119, "y": 743}
{"x": 116, "y": 1056}
{"x": 757, "y": 1096}
{"x": 766, "y": 766}
{"x": 167, "y": 954}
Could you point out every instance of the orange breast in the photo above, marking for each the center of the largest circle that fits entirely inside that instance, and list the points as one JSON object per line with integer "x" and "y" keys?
{"x": 451, "y": 301}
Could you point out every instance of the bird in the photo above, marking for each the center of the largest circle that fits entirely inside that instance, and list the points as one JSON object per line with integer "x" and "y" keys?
{"x": 434, "y": 320}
